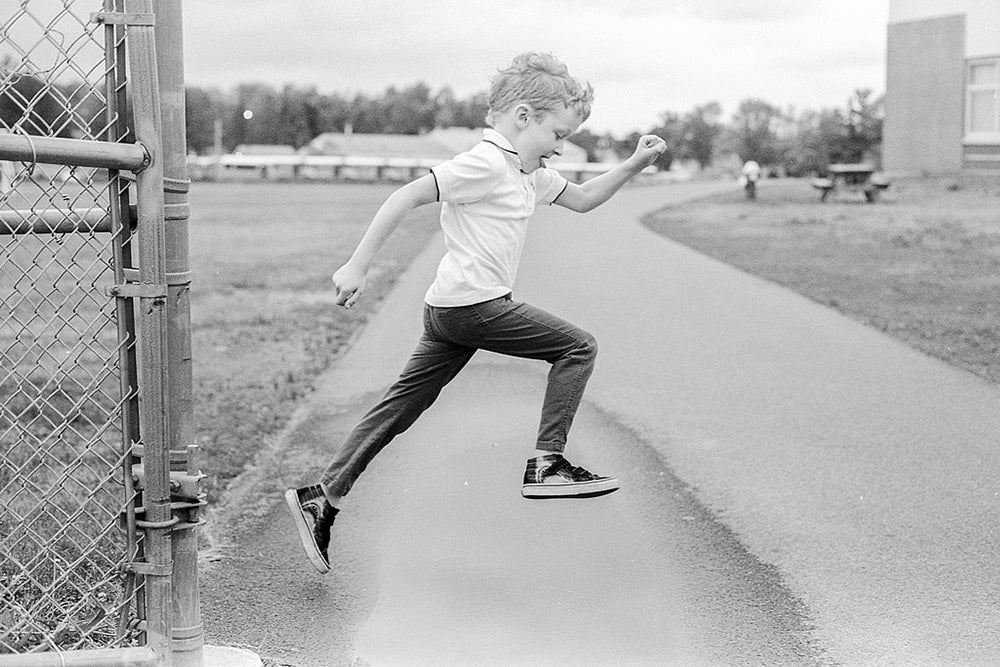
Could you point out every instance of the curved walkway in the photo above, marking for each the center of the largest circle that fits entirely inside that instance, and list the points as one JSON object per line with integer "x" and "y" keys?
{"x": 796, "y": 487}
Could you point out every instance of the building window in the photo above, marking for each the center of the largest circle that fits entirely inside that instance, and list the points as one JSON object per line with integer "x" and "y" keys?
{"x": 982, "y": 100}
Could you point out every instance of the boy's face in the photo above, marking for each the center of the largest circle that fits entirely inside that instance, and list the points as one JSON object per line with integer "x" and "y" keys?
{"x": 544, "y": 135}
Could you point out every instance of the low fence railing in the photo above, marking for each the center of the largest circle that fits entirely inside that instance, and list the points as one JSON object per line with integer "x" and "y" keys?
{"x": 337, "y": 167}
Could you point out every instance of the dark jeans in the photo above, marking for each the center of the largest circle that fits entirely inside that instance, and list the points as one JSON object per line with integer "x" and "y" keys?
{"x": 451, "y": 336}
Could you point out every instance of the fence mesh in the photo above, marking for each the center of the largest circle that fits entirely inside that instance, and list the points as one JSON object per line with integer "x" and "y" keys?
{"x": 64, "y": 544}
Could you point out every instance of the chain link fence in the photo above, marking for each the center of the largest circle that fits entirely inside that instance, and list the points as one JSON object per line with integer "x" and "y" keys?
{"x": 67, "y": 506}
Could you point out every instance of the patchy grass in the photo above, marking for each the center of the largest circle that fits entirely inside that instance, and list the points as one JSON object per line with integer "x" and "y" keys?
{"x": 921, "y": 264}
{"x": 60, "y": 447}
{"x": 264, "y": 326}
{"x": 264, "y": 322}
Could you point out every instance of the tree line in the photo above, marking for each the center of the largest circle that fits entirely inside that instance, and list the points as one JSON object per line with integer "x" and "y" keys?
{"x": 790, "y": 141}
{"x": 294, "y": 116}
{"x": 787, "y": 141}
{"x": 30, "y": 105}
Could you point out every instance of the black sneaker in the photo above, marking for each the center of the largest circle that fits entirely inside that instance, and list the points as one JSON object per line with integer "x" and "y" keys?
{"x": 313, "y": 516}
{"x": 552, "y": 476}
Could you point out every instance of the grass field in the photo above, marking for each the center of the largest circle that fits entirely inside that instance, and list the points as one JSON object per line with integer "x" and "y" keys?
{"x": 264, "y": 326}
{"x": 60, "y": 442}
{"x": 264, "y": 323}
{"x": 922, "y": 264}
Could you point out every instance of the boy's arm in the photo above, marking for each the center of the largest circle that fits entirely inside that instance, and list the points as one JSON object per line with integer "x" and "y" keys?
{"x": 597, "y": 190}
{"x": 350, "y": 278}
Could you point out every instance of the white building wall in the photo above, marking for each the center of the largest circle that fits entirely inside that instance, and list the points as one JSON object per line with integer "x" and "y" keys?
{"x": 982, "y": 36}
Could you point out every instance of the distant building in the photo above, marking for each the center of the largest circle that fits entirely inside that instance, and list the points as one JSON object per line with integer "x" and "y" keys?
{"x": 439, "y": 144}
{"x": 363, "y": 157}
{"x": 942, "y": 99}
{"x": 379, "y": 145}
{"x": 264, "y": 149}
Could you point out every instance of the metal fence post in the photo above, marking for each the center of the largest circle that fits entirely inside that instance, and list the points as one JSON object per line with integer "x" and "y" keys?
{"x": 153, "y": 386}
{"x": 188, "y": 632}
{"x": 89, "y": 354}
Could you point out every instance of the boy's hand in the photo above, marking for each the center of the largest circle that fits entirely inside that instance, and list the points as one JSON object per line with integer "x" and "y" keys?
{"x": 649, "y": 148}
{"x": 350, "y": 284}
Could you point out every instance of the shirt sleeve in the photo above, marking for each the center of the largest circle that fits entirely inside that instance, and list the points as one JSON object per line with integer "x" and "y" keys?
{"x": 549, "y": 184}
{"x": 466, "y": 178}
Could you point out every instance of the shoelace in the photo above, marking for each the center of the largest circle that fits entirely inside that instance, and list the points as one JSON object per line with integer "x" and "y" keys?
{"x": 320, "y": 510}
{"x": 575, "y": 472}
{"x": 313, "y": 508}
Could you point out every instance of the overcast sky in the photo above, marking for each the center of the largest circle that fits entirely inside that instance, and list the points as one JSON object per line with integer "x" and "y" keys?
{"x": 642, "y": 56}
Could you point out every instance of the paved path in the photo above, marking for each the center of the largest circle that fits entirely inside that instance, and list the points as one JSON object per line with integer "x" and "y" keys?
{"x": 866, "y": 472}
{"x": 797, "y": 488}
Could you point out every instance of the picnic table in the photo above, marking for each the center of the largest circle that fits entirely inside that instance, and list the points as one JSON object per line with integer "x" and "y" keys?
{"x": 853, "y": 178}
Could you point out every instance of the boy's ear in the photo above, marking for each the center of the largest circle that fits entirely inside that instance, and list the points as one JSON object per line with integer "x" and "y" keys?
{"x": 522, "y": 114}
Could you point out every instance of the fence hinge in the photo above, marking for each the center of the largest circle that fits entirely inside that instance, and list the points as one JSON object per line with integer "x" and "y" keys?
{"x": 150, "y": 569}
{"x": 186, "y": 487}
{"x": 179, "y": 278}
{"x": 123, "y": 18}
{"x": 140, "y": 290}
{"x": 183, "y": 486}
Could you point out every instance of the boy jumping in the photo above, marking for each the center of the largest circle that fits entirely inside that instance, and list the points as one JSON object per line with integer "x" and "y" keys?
{"x": 488, "y": 194}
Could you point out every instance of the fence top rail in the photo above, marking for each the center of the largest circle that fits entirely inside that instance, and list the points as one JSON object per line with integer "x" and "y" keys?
{"x": 54, "y": 221}
{"x": 73, "y": 152}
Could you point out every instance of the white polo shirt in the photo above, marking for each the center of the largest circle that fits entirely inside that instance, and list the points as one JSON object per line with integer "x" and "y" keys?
{"x": 486, "y": 203}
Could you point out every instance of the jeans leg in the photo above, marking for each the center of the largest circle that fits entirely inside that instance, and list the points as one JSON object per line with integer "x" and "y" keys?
{"x": 521, "y": 330}
{"x": 432, "y": 365}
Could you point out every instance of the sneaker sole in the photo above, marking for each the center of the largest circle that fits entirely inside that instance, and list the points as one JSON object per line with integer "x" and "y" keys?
{"x": 305, "y": 532}
{"x": 581, "y": 490}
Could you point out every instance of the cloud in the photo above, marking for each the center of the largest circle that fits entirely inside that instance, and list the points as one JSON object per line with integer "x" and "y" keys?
{"x": 741, "y": 12}
{"x": 643, "y": 57}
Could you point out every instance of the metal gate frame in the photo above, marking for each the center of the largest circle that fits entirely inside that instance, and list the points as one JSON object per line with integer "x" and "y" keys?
{"x": 153, "y": 309}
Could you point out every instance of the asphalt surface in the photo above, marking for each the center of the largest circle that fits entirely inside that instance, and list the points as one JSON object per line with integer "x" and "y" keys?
{"x": 796, "y": 488}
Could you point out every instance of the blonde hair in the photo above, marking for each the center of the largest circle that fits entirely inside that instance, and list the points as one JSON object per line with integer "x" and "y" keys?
{"x": 543, "y": 82}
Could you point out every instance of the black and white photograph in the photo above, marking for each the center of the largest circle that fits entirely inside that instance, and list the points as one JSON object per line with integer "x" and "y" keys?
{"x": 477, "y": 334}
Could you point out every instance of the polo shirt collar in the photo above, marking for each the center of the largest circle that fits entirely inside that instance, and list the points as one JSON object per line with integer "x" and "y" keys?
{"x": 493, "y": 137}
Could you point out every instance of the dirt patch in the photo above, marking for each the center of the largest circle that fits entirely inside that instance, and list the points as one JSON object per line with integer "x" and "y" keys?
{"x": 921, "y": 264}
